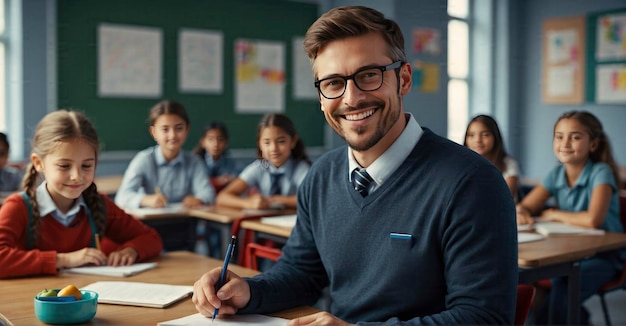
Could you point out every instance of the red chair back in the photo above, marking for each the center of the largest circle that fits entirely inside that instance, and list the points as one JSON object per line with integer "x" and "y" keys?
{"x": 525, "y": 296}
{"x": 255, "y": 250}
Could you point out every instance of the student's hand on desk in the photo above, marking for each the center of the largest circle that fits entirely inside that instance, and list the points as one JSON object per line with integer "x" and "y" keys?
{"x": 154, "y": 201}
{"x": 85, "y": 256}
{"x": 191, "y": 201}
{"x": 124, "y": 257}
{"x": 320, "y": 318}
{"x": 523, "y": 216}
{"x": 257, "y": 201}
{"x": 550, "y": 214}
{"x": 233, "y": 295}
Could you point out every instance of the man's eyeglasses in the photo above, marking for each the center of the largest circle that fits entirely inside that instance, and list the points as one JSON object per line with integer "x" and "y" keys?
{"x": 366, "y": 79}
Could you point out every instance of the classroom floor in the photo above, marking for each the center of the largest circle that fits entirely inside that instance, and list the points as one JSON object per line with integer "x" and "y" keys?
{"x": 616, "y": 302}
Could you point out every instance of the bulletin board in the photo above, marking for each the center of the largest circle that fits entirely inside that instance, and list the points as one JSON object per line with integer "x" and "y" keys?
{"x": 606, "y": 57}
{"x": 121, "y": 121}
{"x": 563, "y": 74}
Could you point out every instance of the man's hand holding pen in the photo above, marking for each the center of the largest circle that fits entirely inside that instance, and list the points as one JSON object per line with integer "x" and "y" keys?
{"x": 234, "y": 294}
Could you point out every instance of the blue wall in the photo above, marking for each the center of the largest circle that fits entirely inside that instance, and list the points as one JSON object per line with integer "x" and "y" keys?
{"x": 533, "y": 130}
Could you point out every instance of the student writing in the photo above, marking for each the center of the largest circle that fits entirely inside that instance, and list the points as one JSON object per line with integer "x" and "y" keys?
{"x": 584, "y": 185}
{"x": 213, "y": 150}
{"x": 10, "y": 177}
{"x": 165, "y": 173}
{"x": 483, "y": 137}
{"x": 394, "y": 177}
{"x": 54, "y": 225}
{"x": 280, "y": 168}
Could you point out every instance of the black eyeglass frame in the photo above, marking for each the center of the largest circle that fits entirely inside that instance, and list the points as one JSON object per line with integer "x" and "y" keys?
{"x": 391, "y": 66}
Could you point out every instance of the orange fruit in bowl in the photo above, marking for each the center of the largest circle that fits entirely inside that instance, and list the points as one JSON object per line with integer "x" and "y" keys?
{"x": 70, "y": 290}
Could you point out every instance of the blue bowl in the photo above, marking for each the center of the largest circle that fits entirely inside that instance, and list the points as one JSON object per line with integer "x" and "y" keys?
{"x": 67, "y": 312}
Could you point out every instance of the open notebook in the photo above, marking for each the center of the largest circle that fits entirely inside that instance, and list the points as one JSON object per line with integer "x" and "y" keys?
{"x": 558, "y": 228}
{"x": 118, "y": 271}
{"x": 152, "y": 295}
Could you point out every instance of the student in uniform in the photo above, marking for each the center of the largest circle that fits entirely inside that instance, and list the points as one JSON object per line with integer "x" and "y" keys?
{"x": 483, "y": 137}
{"x": 280, "y": 168}
{"x": 166, "y": 174}
{"x": 212, "y": 148}
{"x": 10, "y": 177}
{"x": 57, "y": 223}
{"x": 584, "y": 185}
{"x": 403, "y": 226}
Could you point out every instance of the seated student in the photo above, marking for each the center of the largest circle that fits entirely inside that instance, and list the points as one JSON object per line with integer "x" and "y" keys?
{"x": 165, "y": 174}
{"x": 55, "y": 224}
{"x": 585, "y": 188}
{"x": 213, "y": 150}
{"x": 483, "y": 137}
{"x": 281, "y": 166}
{"x": 10, "y": 177}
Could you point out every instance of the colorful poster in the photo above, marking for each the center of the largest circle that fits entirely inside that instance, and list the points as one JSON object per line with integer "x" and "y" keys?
{"x": 611, "y": 84}
{"x": 427, "y": 41}
{"x": 611, "y": 37}
{"x": 200, "y": 61}
{"x": 426, "y": 76}
{"x": 130, "y": 61}
{"x": 563, "y": 46}
{"x": 259, "y": 76}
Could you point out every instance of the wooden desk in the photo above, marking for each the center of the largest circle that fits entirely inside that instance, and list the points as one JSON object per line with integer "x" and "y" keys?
{"x": 269, "y": 229}
{"x": 178, "y": 268}
{"x": 218, "y": 217}
{"x": 561, "y": 256}
{"x": 108, "y": 184}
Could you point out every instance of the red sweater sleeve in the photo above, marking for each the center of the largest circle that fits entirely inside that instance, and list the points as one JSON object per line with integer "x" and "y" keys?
{"x": 15, "y": 259}
{"x": 128, "y": 231}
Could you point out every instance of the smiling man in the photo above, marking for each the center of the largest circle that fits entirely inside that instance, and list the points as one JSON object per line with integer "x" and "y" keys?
{"x": 402, "y": 225}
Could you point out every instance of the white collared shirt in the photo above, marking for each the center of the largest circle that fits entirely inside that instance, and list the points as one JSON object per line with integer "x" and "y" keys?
{"x": 47, "y": 206}
{"x": 390, "y": 160}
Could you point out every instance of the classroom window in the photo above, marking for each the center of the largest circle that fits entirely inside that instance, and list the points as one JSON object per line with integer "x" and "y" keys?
{"x": 458, "y": 68}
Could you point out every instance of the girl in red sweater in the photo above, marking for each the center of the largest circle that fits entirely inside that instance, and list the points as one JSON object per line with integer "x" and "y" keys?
{"x": 57, "y": 223}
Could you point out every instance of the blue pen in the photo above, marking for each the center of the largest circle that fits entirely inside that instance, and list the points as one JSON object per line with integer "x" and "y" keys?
{"x": 229, "y": 253}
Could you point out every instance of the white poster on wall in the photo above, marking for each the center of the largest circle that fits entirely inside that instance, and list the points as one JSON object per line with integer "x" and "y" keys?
{"x": 130, "y": 60}
{"x": 259, "y": 76}
{"x": 303, "y": 85}
{"x": 200, "y": 61}
{"x": 611, "y": 84}
{"x": 611, "y": 37}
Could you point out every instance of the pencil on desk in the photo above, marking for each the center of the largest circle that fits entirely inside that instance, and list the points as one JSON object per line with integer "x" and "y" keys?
{"x": 97, "y": 236}
{"x": 157, "y": 190}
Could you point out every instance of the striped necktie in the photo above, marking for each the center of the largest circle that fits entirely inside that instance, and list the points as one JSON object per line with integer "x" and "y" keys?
{"x": 362, "y": 181}
{"x": 275, "y": 183}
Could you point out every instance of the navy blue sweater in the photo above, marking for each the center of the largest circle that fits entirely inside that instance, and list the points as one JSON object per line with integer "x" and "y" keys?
{"x": 458, "y": 267}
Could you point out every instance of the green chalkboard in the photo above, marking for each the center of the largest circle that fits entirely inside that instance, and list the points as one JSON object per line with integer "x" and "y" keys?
{"x": 122, "y": 122}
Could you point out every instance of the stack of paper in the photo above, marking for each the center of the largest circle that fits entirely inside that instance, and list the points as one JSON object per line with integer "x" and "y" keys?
{"x": 118, "y": 271}
{"x": 558, "y": 228}
{"x": 139, "y": 294}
